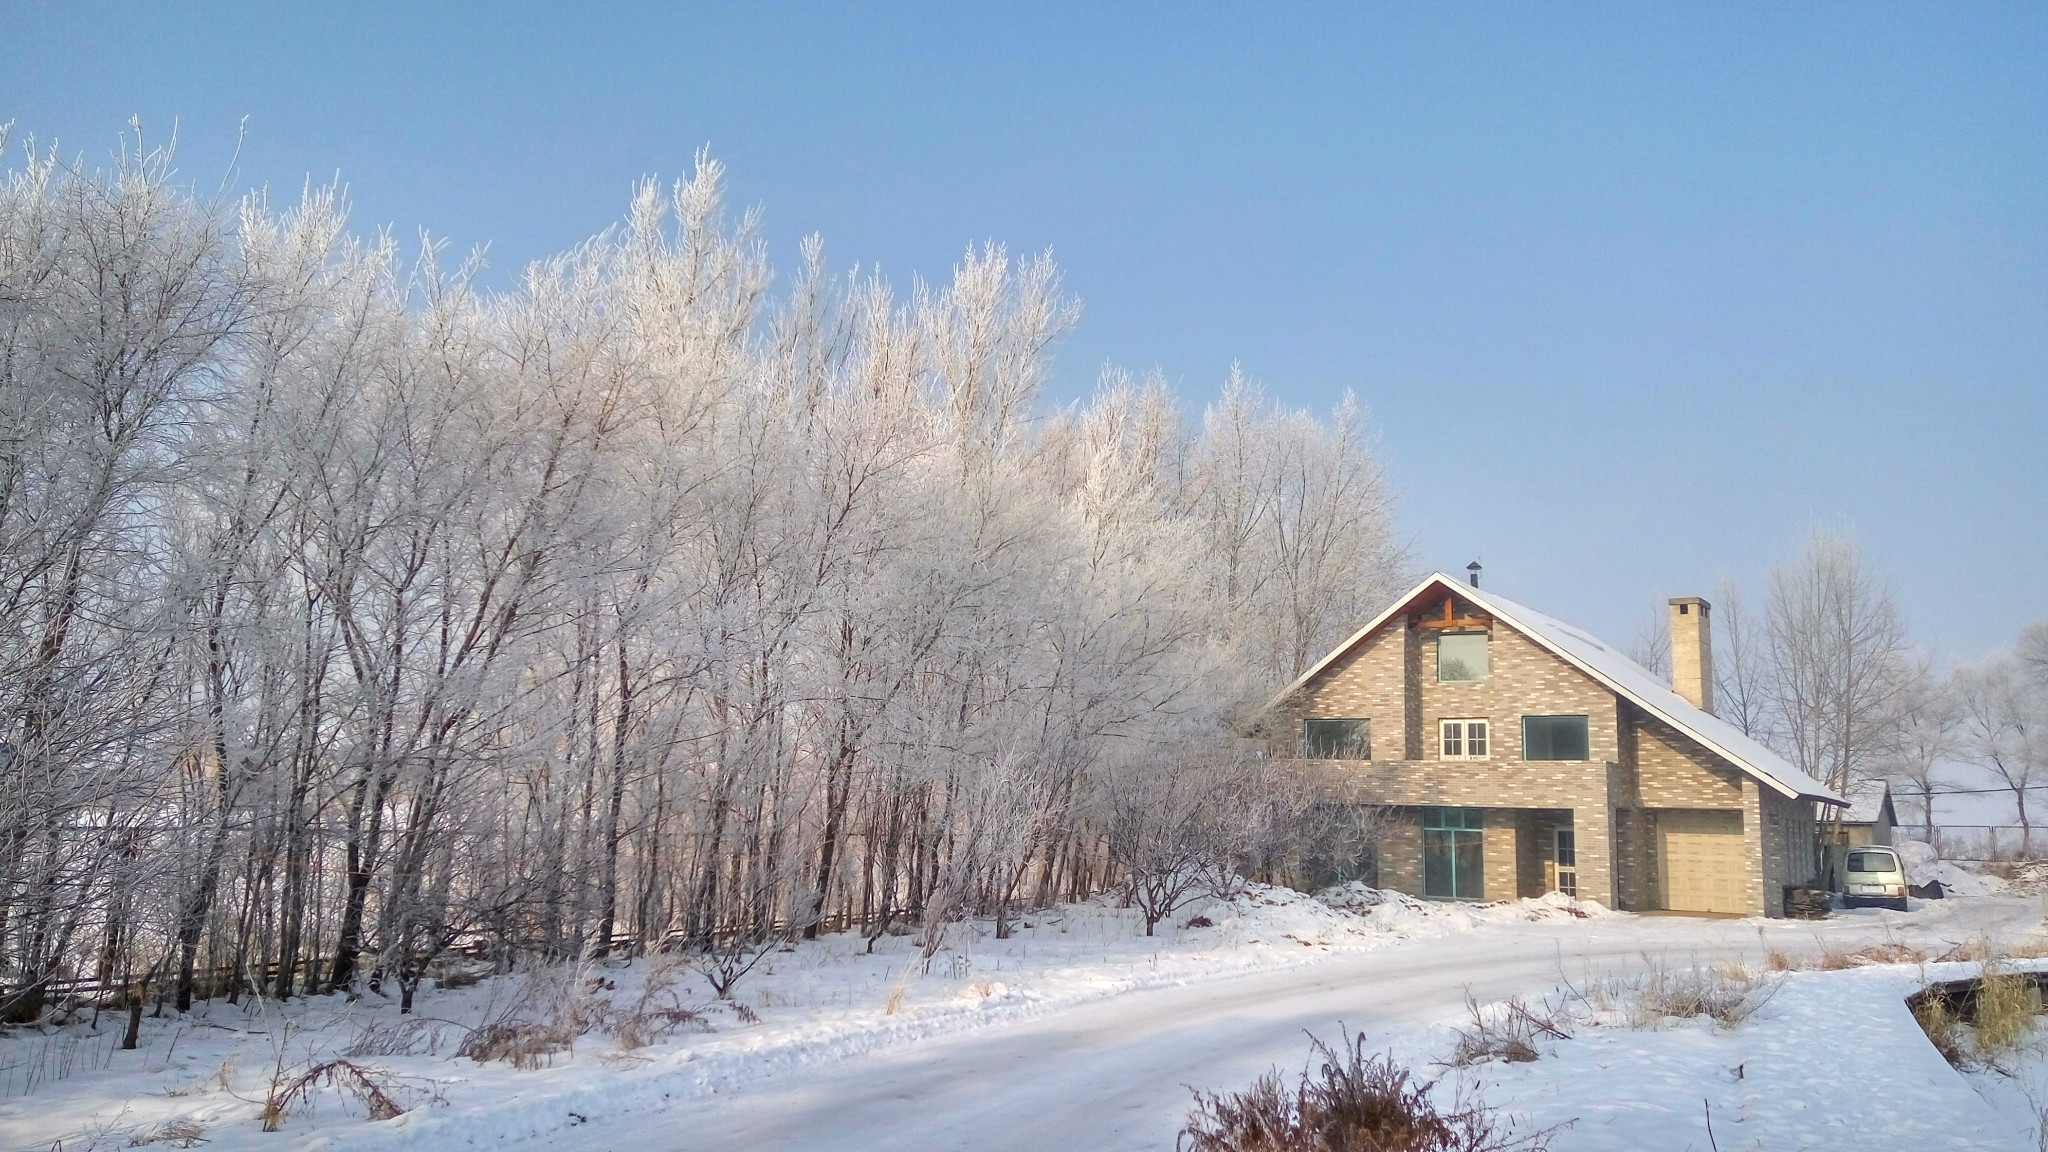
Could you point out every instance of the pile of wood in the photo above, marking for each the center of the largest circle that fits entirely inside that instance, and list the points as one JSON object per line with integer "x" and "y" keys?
{"x": 1807, "y": 903}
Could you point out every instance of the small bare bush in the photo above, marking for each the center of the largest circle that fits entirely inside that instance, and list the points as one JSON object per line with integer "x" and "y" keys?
{"x": 1352, "y": 1101}
{"x": 643, "y": 1026}
{"x": 411, "y": 1036}
{"x": 1506, "y": 1032}
{"x": 183, "y": 1132}
{"x": 525, "y": 1044}
{"x": 372, "y": 1086}
{"x": 659, "y": 1010}
{"x": 554, "y": 1007}
{"x": 1726, "y": 996}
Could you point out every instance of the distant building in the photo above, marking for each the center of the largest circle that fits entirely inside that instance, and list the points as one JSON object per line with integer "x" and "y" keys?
{"x": 1869, "y": 818}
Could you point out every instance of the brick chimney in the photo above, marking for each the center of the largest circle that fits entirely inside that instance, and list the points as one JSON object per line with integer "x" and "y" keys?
{"x": 1692, "y": 651}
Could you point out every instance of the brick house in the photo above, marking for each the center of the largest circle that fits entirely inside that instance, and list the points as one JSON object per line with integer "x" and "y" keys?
{"x": 1519, "y": 755}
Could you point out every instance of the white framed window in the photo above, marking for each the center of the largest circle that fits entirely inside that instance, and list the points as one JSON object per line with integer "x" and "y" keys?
{"x": 1464, "y": 740}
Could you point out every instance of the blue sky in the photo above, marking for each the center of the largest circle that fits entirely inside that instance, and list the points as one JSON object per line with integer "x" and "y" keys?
{"x": 1637, "y": 294}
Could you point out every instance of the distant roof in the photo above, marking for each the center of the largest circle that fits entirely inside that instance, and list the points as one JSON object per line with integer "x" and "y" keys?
{"x": 1637, "y": 684}
{"x": 1868, "y": 802}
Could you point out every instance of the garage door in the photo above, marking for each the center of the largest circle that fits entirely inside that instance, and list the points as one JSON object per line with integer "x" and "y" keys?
{"x": 1701, "y": 854}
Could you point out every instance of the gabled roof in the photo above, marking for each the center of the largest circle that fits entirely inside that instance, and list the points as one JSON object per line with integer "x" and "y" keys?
{"x": 1870, "y": 803}
{"x": 1618, "y": 673}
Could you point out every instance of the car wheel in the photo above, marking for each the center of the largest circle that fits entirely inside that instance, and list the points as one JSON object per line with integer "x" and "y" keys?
{"x": 1900, "y": 904}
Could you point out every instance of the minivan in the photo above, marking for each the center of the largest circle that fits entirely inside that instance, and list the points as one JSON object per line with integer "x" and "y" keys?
{"x": 1874, "y": 876}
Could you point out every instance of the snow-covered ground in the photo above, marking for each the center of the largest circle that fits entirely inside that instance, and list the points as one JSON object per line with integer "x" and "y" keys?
{"x": 1079, "y": 1032}
{"x": 1830, "y": 1060}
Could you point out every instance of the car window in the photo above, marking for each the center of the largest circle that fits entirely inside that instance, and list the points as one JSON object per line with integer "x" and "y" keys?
{"x": 1873, "y": 862}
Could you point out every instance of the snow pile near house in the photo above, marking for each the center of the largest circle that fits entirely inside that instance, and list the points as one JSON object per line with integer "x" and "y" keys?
{"x": 1405, "y": 916}
{"x": 1923, "y": 865}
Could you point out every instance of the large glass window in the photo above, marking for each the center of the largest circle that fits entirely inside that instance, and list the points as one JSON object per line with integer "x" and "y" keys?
{"x": 1554, "y": 738}
{"x": 1453, "y": 853}
{"x": 1336, "y": 739}
{"x": 1461, "y": 656}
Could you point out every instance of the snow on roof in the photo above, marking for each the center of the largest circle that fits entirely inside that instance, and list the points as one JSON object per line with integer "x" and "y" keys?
{"x": 1866, "y": 802}
{"x": 1637, "y": 684}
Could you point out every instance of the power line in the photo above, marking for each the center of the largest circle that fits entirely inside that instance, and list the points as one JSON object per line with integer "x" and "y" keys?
{"x": 1971, "y": 791}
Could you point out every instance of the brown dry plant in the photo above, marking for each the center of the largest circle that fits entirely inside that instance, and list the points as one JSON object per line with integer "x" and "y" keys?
{"x": 1351, "y": 1101}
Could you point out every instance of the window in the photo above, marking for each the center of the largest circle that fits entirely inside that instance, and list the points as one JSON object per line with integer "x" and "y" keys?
{"x": 1453, "y": 853}
{"x": 1464, "y": 739}
{"x": 1873, "y": 862}
{"x": 1460, "y": 656}
{"x": 1336, "y": 739}
{"x": 1554, "y": 738}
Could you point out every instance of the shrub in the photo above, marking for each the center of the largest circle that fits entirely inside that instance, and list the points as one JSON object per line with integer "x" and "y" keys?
{"x": 526, "y": 1044}
{"x": 372, "y": 1086}
{"x": 1352, "y": 1102}
{"x": 1509, "y": 1033}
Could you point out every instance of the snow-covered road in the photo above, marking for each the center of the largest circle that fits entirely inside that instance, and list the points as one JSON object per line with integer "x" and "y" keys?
{"x": 1115, "y": 1074}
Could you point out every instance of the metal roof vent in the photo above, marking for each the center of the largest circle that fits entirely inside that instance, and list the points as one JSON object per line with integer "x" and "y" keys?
{"x": 1473, "y": 568}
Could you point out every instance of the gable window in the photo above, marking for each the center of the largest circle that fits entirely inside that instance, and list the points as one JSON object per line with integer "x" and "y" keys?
{"x": 1555, "y": 738}
{"x": 1464, "y": 739}
{"x": 1349, "y": 739}
{"x": 1460, "y": 657}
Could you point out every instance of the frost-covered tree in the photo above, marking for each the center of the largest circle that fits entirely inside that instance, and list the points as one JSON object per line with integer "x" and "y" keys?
{"x": 352, "y": 611}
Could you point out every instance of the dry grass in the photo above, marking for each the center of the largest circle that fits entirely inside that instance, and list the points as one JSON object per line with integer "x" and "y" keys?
{"x": 1728, "y": 995}
{"x": 1889, "y": 952}
{"x": 525, "y": 1044}
{"x": 2003, "y": 1012}
{"x": 1981, "y": 1022}
{"x": 1943, "y": 1029}
{"x": 640, "y": 1028}
{"x": 1352, "y": 1101}
{"x": 659, "y": 1010}
{"x": 183, "y": 1132}
{"x": 1977, "y": 948}
{"x": 411, "y": 1036}
{"x": 556, "y": 1008}
{"x": 1508, "y": 1032}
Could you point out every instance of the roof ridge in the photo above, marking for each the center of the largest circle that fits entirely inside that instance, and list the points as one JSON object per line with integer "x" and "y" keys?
{"x": 1647, "y": 693}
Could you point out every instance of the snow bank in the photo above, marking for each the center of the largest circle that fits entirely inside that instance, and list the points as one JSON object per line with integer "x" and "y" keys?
{"x": 1923, "y": 865}
{"x": 811, "y": 1002}
{"x": 1405, "y": 916}
{"x": 1832, "y": 1060}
